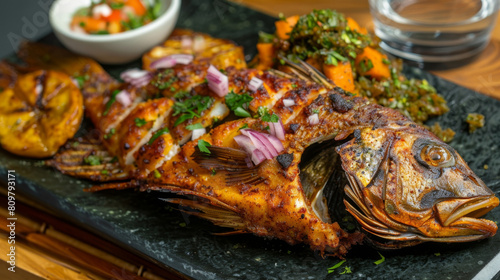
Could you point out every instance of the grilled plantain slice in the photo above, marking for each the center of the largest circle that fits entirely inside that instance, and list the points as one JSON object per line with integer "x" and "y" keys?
{"x": 39, "y": 113}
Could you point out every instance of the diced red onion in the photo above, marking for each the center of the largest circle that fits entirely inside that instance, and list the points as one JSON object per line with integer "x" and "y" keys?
{"x": 266, "y": 139}
{"x": 217, "y": 81}
{"x": 197, "y": 133}
{"x": 258, "y": 157}
{"x": 186, "y": 42}
{"x": 272, "y": 131}
{"x": 123, "y": 97}
{"x": 261, "y": 142}
{"x": 268, "y": 145}
{"x": 198, "y": 44}
{"x": 278, "y": 146}
{"x": 182, "y": 58}
{"x": 277, "y": 129}
{"x": 171, "y": 60}
{"x": 247, "y": 145}
{"x": 101, "y": 10}
{"x": 38, "y": 88}
{"x": 136, "y": 77}
{"x": 288, "y": 102}
{"x": 313, "y": 119}
{"x": 164, "y": 62}
{"x": 254, "y": 84}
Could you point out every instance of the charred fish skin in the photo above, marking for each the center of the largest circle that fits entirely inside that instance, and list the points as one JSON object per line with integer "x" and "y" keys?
{"x": 381, "y": 157}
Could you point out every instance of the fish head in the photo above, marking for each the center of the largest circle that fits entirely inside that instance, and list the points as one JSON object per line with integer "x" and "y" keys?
{"x": 409, "y": 187}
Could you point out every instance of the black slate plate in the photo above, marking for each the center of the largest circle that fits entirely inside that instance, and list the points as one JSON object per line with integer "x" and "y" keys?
{"x": 149, "y": 227}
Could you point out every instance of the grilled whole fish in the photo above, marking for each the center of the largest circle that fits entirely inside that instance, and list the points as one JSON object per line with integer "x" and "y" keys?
{"x": 405, "y": 185}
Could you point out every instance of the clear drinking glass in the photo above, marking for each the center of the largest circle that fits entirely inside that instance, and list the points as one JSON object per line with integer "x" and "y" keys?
{"x": 434, "y": 34}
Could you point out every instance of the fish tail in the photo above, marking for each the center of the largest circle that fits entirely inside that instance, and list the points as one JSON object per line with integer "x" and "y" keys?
{"x": 88, "y": 159}
{"x": 206, "y": 207}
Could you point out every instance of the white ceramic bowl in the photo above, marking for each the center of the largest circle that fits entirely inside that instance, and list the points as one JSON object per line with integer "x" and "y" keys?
{"x": 113, "y": 48}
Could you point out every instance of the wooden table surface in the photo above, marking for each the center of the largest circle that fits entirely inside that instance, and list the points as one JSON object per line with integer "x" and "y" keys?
{"x": 482, "y": 75}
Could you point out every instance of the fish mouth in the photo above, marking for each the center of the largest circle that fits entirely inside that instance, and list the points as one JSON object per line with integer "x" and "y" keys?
{"x": 466, "y": 213}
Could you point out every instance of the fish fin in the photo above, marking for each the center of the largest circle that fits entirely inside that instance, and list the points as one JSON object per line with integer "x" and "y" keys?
{"x": 314, "y": 175}
{"x": 236, "y": 164}
{"x": 71, "y": 160}
{"x": 206, "y": 207}
{"x": 307, "y": 72}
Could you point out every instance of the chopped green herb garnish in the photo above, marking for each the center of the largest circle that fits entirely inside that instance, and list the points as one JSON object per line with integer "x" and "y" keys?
{"x": 332, "y": 58}
{"x": 140, "y": 122}
{"x": 157, "y": 174}
{"x": 346, "y": 270}
{"x": 101, "y": 32}
{"x": 75, "y": 144}
{"x": 116, "y": 6}
{"x": 202, "y": 145}
{"x": 379, "y": 261}
{"x": 182, "y": 225}
{"x": 114, "y": 159}
{"x": 366, "y": 65}
{"x": 156, "y": 9}
{"x": 133, "y": 22}
{"x": 386, "y": 61}
{"x": 110, "y": 102}
{"x": 191, "y": 107}
{"x": 294, "y": 85}
{"x": 264, "y": 115}
{"x": 181, "y": 94}
{"x": 395, "y": 78}
{"x": 265, "y": 37}
{"x": 80, "y": 80}
{"x": 164, "y": 84}
{"x": 437, "y": 254}
{"x": 158, "y": 134}
{"x": 238, "y": 103}
{"x": 243, "y": 126}
{"x": 92, "y": 160}
{"x": 104, "y": 172}
{"x": 240, "y": 112}
{"x": 315, "y": 111}
{"x": 214, "y": 172}
{"x": 82, "y": 24}
{"x": 332, "y": 269}
{"x": 194, "y": 126}
{"x": 425, "y": 86}
{"x": 110, "y": 133}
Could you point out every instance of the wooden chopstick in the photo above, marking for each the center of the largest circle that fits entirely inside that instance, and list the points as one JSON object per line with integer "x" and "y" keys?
{"x": 75, "y": 249}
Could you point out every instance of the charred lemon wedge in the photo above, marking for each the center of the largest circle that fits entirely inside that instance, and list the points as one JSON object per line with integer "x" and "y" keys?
{"x": 39, "y": 113}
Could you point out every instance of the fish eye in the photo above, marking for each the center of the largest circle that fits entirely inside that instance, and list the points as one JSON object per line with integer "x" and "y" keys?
{"x": 437, "y": 156}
